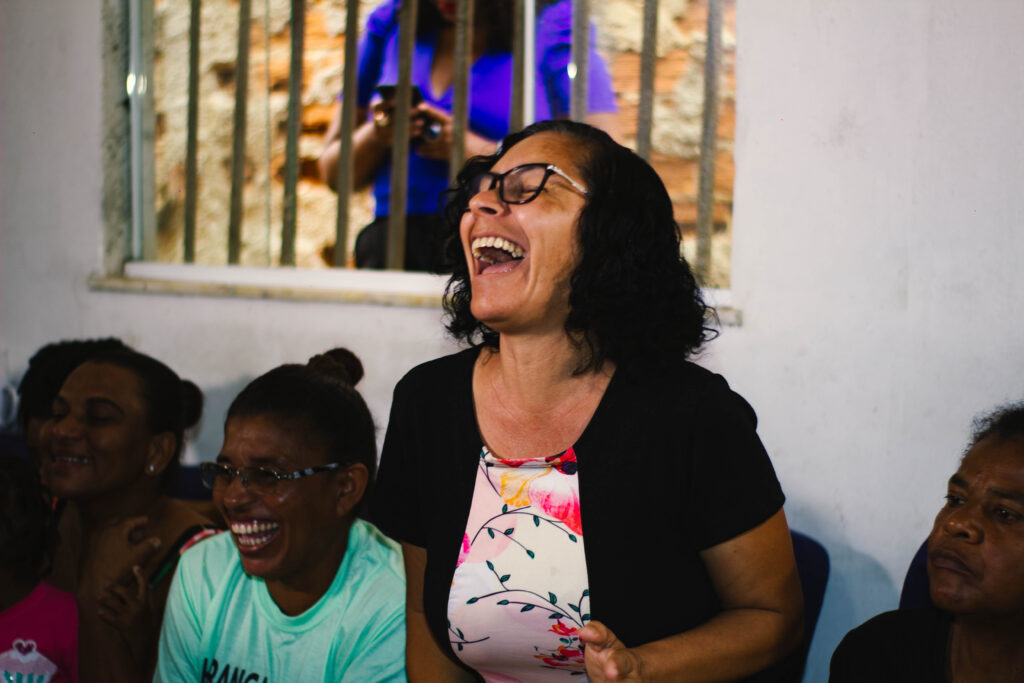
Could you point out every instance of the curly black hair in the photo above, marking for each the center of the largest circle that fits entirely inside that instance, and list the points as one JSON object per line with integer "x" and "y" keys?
{"x": 1005, "y": 423}
{"x": 633, "y": 295}
{"x": 28, "y": 530}
{"x": 321, "y": 397}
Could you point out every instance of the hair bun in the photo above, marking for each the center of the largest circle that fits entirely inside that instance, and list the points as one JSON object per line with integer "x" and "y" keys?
{"x": 339, "y": 363}
{"x": 191, "y": 403}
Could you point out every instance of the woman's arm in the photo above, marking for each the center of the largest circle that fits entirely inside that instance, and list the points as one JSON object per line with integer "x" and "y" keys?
{"x": 424, "y": 660}
{"x": 761, "y": 620}
{"x": 371, "y": 145}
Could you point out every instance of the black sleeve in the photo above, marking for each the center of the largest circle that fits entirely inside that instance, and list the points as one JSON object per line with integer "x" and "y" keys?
{"x": 396, "y": 495}
{"x": 733, "y": 487}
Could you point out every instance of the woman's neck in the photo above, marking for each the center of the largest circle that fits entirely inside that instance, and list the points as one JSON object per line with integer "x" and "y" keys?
{"x": 541, "y": 370}
{"x": 295, "y": 594}
{"x": 137, "y": 500}
{"x": 14, "y": 589}
{"x": 988, "y": 651}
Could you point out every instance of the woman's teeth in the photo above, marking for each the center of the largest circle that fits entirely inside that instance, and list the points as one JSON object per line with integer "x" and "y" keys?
{"x": 253, "y": 533}
{"x": 497, "y": 247}
{"x": 74, "y": 460}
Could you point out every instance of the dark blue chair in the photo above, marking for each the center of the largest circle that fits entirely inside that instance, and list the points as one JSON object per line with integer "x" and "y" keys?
{"x": 915, "y": 591}
{"x": 813, "y": 566}
{"x": 188, "y": 485}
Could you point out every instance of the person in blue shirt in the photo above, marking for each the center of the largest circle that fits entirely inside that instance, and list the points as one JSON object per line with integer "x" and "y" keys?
{"x": 433, "y": 73}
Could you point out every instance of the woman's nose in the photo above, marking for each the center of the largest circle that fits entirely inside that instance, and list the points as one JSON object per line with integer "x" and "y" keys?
{"x": 235, "y": 493}
{"x": 64, "y": 427}
{"x": 486, "y": 201}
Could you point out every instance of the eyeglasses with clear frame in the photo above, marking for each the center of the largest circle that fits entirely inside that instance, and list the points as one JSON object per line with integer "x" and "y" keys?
{"x": 258, "y": 480}
{"x": 521, "y": 184}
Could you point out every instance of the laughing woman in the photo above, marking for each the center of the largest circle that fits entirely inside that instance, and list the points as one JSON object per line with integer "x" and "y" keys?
{"x": 111, "y": 449}
{"x": 300, "y": 589}
{"x": 572, "y": 496}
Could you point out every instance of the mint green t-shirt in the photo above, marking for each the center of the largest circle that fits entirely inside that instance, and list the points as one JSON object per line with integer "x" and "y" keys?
{"x": 222, "y": 625}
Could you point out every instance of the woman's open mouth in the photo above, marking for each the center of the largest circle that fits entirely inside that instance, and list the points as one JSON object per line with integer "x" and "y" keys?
{"x": 68, "y": 462}
{"x": 254, "y": 535}
{"x": 496, "y": 254}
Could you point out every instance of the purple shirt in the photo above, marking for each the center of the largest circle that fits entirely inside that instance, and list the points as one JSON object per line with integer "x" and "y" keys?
{"x": 490, "y": 81}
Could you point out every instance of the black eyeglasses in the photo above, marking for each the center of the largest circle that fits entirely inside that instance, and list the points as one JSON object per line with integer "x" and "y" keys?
{"x": 256, "y": 479}
{"x": 521, "y": 184}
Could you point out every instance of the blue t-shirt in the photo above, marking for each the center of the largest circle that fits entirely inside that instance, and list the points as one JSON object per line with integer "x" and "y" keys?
{"x": 221, "y": 624}
{"x": 490, "y": 91}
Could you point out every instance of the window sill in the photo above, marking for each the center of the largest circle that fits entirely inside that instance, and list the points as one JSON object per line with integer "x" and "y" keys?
{"x": 388, "y": 288}
{"x": 377, "y": 287}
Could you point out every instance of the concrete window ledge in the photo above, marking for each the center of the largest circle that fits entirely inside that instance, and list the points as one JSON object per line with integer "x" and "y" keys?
{"x": 387, "y": 288}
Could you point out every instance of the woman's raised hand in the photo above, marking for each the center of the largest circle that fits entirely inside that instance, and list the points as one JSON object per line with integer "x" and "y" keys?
{"x": 606, "y": 658}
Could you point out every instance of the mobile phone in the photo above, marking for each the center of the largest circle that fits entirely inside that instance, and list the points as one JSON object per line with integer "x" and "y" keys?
{"x": 387, "y": 92}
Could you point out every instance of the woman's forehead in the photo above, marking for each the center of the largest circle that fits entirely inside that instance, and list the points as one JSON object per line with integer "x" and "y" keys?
{"x": 548, "y": 147}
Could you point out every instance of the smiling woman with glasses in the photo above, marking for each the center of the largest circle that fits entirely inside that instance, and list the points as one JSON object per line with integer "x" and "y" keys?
{"x": 298, "y": 566}
{"x": 573, "y": 496}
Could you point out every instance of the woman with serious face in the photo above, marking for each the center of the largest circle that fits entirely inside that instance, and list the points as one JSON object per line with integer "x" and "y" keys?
{"x": 974, "y": 629}
{"x": 573, "y": 497}
{"x": 111, "y": 446}
{"x": 301, "y": 589}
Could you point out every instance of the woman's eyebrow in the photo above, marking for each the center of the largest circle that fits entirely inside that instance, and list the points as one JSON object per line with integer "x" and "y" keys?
{"x": 104, "y": 402}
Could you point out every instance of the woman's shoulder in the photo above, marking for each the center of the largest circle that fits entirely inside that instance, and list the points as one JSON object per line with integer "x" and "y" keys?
{"x": 384, "y": 17}
{"x": 903, "y": 645}
{"x": 210, "y": 558}
{"x": 439, "y": 372}
{"x": 381, "y": 554}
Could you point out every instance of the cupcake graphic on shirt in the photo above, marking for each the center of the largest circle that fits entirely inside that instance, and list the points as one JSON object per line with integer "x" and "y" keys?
{"x": 24, "y": 663}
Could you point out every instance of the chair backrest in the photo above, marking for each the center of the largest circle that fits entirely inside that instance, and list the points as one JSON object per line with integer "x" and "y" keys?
{"x": 813, "y": 566}
{"x": 915, "y": 587}
{"x": 188, "y": 485}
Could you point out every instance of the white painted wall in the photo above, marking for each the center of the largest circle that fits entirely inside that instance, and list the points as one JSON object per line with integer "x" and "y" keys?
{"x": 877, "y": 242}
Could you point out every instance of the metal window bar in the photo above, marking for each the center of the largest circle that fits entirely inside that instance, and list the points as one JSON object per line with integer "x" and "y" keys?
{"x": 395, "y": 259}
{"x": 708, "y": 141}
{"x": 515, "y": 119}
{"x": 579, "y": 67}
{"x": 238, "y": 146}
{"x": 291, "y": 154}
{"x": 348, "y": 124}
{"x": 192, "y": 140}
{"x": 649, "y": 50}
{"x": 521, "y": 114}
{"x": 464, "y": 17}
{"x": 142, "y": 130}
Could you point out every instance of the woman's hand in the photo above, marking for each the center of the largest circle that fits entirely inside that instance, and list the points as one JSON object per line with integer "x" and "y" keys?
{"x": 126, "y": 606}
{"x": 433, "y": 131}
{"x": 607, "y": 659}
{"x": 113, "y": 551}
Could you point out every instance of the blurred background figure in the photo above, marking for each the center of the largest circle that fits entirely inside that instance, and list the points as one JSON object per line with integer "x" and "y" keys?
{"x": 111, "y": 449}
{"x": 38, "y": 623}
{"x": 433, "y": 75}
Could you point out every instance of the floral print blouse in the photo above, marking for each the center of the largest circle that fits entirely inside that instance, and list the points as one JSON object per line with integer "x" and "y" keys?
{"x": 519, "y": 594}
